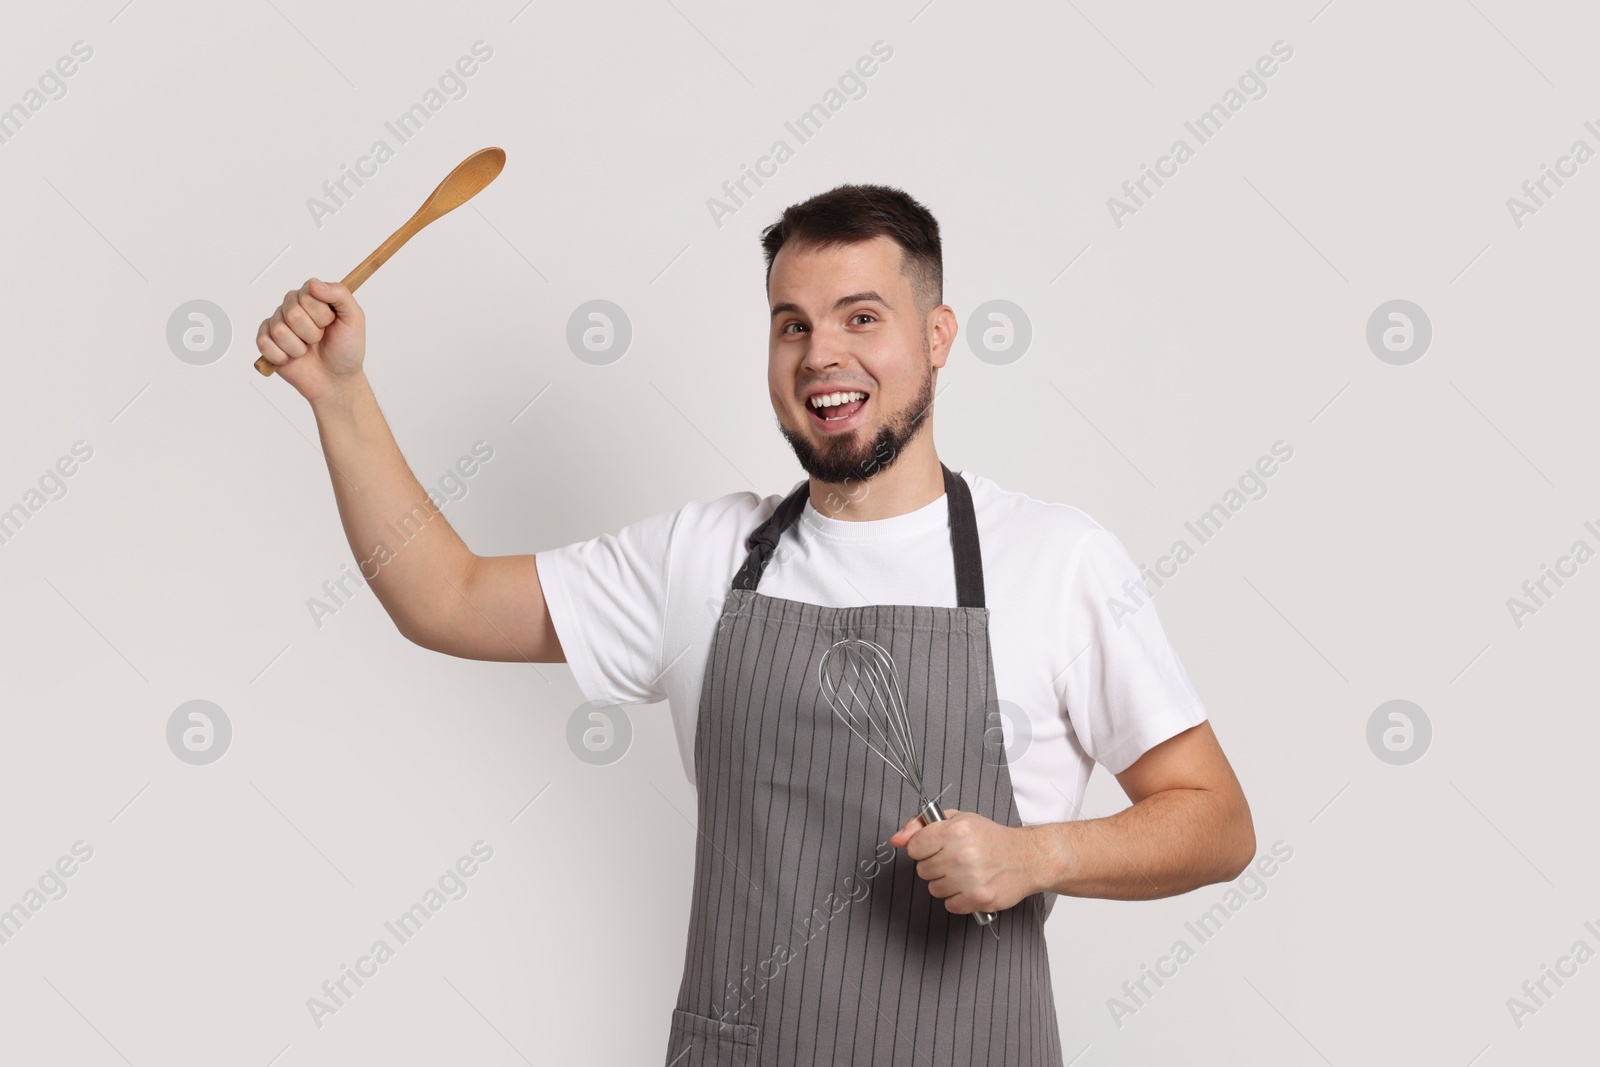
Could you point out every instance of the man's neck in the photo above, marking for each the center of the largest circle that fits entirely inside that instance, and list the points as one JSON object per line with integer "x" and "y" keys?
{"x": 914, "y": 481}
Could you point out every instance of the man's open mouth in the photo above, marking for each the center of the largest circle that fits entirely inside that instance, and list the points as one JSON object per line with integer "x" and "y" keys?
{"x": 836, "y": 407}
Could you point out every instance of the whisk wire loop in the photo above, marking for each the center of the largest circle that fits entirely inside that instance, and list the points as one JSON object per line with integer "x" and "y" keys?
{"x": 867, "y": 698}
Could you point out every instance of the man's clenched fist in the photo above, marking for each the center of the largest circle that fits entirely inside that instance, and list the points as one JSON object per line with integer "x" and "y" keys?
{"x": 973, "y": 863}
{"x": 317, "y": 338}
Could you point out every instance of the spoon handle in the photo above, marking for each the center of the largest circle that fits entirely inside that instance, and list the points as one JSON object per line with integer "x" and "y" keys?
{"x": 459, "y": 186}
{"x": 381, "y": 254}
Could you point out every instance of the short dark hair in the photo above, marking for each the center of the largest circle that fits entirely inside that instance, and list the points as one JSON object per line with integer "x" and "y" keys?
{"x": 846, "y": 214}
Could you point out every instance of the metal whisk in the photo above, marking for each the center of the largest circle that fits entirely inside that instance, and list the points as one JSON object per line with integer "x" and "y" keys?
{"x": 867, "y": 698}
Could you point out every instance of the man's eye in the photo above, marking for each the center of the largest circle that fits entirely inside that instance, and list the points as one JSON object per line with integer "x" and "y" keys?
{"x": 863, "y": 315}
{"x": 787, "y": 325}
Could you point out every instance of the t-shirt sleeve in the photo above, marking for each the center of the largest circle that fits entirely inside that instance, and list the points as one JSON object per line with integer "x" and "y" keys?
{"x": 607, "y": 599}
{"x": 1125, "y": 689}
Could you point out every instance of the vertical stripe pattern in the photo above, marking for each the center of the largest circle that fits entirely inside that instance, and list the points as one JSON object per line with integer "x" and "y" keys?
{"x": 811, "y": 941}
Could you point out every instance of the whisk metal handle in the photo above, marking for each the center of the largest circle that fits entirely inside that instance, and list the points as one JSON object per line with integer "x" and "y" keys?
{"x": 931, "y": 813}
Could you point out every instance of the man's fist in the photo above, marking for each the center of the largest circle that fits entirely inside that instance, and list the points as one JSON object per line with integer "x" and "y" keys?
{"x": 316, "y": 338}
{"x": 973, "y": 863}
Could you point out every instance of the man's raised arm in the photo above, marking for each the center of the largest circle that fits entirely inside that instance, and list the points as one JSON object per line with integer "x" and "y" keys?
{"x": 439, "y": 594}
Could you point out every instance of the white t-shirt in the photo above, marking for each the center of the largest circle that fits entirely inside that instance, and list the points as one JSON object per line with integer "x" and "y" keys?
{"x": 636, "y": 612}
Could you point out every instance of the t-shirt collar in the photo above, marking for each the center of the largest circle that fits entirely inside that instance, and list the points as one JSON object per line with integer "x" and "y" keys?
{"x": 930, "y": 516}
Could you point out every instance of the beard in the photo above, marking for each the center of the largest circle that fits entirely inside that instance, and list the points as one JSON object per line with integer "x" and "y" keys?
{"x": 849, "y": 457}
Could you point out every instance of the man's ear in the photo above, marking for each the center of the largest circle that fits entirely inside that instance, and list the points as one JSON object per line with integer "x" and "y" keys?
{"x": 942, "y": 329}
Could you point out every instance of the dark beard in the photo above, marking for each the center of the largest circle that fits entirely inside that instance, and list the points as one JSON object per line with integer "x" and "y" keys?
{"x": 847, "y": 458}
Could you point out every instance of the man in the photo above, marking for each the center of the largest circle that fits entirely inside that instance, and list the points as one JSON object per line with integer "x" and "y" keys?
{"x": 827, "y": 926}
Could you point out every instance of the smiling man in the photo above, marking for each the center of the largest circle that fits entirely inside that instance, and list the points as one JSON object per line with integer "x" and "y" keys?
{"x": 828, "y": 922}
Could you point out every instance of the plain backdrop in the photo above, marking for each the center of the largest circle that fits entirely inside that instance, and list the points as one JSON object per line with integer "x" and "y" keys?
{"x": 1170, "y": 348}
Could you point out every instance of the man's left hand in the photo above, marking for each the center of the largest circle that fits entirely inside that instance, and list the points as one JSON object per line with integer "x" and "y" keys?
{"x": 973, "y": 863}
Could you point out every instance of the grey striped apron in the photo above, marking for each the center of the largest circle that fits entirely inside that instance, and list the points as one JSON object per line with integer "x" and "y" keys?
{"x": 812, "y": 940}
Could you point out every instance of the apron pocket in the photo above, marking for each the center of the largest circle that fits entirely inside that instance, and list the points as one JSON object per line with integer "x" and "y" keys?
{"x": 701, "y": 1041}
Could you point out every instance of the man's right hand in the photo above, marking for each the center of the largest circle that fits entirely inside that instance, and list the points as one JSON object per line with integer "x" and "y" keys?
{"x": 317, "y": 338}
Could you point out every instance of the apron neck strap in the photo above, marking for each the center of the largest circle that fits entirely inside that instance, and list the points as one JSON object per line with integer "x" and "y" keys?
{"x": 963, "y": 539}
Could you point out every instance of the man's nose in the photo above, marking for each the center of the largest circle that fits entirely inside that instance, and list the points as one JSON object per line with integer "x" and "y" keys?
{"x": 826, "y": 351}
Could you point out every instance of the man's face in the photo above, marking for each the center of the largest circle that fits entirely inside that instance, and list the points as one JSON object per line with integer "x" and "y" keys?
{"x": 844, "y": 320}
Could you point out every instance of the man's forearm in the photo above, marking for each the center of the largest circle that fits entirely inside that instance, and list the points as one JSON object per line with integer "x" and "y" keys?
{"x": 406, "y": 550}
{"x": 1168, "y": 843}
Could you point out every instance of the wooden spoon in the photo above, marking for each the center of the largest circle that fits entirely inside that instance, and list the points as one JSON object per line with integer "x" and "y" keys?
{"x": 459, "y": 186}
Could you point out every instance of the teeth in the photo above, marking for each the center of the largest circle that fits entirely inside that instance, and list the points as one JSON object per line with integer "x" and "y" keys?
{"x": 828, "y": 400}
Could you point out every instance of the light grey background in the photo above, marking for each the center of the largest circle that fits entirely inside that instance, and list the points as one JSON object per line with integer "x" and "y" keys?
{"x": 1167, "y": 354}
